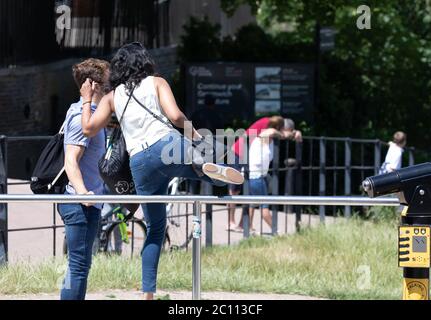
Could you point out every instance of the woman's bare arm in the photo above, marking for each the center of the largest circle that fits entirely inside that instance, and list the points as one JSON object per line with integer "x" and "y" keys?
{"x": 92, "y": 124}
{"x": 170, "y": 107}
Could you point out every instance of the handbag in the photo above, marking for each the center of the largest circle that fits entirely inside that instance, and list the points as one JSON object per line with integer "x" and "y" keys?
{"x": 114, "y": 166}
{"x": 201, "y": 151}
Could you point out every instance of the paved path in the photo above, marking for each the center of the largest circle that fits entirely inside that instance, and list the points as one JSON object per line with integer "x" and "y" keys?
{"x": 178, "y": 295}
{"x": 37, "y": 245}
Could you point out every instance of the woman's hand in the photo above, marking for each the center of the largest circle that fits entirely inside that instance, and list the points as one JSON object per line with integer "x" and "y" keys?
{"x": 87, "y": 90}
{"x": 92, "y": 124}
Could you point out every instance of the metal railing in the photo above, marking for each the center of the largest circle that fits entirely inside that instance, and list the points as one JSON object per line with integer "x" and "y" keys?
{"x": 337, "y": 166}
{"x": 197, "y": 202}
{"x": 322, "y": 166}
{"x": 5, "y": 142}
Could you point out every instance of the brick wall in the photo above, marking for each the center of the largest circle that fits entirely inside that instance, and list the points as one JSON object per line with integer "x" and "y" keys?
{"x": 34, "y": 101}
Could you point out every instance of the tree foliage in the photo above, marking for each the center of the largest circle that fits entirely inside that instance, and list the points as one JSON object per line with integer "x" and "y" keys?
{"x": 200, "y": 41}
{"x": 373, "y": 83}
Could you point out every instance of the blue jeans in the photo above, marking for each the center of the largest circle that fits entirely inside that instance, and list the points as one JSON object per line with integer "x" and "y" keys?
{"x": 82, "y": 224}
{"x": 258, "y": 187}
{"x": 151, "y": 176}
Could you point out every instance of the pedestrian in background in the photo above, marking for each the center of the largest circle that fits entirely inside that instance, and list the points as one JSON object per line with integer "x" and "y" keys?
{"x": 240, "y": 150}
{"x": 394, "y": 156}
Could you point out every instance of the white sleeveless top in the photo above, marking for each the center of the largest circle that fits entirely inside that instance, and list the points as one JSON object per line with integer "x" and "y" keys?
{"x": 140, "y": 129}
{"x": 260, "y": 156}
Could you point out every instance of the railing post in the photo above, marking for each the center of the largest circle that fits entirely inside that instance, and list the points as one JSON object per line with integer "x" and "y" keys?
{"x": 54, "y": 230}
{"x": 246, "y": 207}
{"x": 377, "y": 156}
{"x": 288, "y": 189}
{"x": 347, "y": 174}
{"x": 274, "y": 181}
{"x": 208, "y": 190}
{"x": 322, "y": 176}
{"x": 411, "y": 157}
{"x": 334, "y": 175}
{"x": 196, "y": 263}
{"x": 298, "y": 183}
{"x": 3, "y": 207}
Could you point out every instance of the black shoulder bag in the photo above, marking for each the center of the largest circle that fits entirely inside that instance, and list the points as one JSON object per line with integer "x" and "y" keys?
{"x": 114, "y": 166}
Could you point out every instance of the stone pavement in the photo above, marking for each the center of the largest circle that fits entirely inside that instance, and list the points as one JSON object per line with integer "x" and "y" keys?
{"x": 177, "y": 295}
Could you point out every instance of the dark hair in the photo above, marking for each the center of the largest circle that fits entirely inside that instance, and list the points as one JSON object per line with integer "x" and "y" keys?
{"x": 91, "y": 68}
{"x": 130, "y": 65}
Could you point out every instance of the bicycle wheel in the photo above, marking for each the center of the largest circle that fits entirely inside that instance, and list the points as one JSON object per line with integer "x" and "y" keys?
{"x": 179, "y": 224}
{"x": 112, "y": 243}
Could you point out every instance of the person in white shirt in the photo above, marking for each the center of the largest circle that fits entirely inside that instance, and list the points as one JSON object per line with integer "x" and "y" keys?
{"x": 394, "y": 155}
{"x": 260, "y": 156}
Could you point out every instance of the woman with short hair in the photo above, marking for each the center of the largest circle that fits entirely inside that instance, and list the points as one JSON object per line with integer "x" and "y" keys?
{"x": 81, "y": 157}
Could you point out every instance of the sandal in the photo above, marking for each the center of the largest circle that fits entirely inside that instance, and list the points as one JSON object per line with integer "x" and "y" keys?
{"x": 231, "y": 227}
{"x": 239, "y": 229}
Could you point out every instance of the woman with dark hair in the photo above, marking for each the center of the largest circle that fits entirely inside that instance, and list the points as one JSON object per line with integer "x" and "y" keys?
{"x": 145, "y": 104}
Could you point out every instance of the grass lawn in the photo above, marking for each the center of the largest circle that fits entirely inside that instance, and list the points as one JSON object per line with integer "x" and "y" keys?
{"x": 331, "y": 261}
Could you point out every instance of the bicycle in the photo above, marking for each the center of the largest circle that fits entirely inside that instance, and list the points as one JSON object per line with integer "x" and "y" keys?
{"x": 117, "y": 232}
{"x": 121, "y": 233}
{"x": 177, "y": 220}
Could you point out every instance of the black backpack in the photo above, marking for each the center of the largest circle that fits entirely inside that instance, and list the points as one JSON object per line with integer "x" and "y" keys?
{"x": 49, "y": 176}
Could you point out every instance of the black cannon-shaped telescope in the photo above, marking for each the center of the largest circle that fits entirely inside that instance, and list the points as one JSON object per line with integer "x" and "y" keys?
{"x": 413, "y": 187}
{"x": 411, "y": 184}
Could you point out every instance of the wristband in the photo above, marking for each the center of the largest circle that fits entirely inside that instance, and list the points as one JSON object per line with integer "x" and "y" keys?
{"x": 86, "y": 103}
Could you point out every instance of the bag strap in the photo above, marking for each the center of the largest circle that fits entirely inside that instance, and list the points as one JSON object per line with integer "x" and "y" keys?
{"x": 159, "y": 118}
{"x": 64, "y": 168}
{"x": 156, "y": 116}
{"x": 127, "y": 104}
{"x": 56, "y": 178}
{"x": 62, "y": 128}
{"x": 118, "y": 132}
